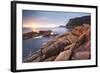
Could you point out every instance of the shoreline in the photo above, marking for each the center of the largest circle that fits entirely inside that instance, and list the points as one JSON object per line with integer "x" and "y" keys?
{"x": 55, "y": 49}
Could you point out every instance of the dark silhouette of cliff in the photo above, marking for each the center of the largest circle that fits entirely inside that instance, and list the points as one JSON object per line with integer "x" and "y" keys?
{"x": 78, "y": 21}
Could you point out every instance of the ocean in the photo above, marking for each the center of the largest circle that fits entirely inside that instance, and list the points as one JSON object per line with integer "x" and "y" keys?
{"x": 33, "y": 44}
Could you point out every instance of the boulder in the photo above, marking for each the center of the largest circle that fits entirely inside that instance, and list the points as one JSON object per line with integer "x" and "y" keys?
{"x": 88, "y": 35}
{"x": 59, "y": 45}
{"x": 63, "y": 56}
{"x": 82, "y": 55}
{"x": 79, "y": 30}
{"x": 87, "y": 46}
{"x": 52, "y": 58}
{"x": 70, "y": 46}
{"x": 54, "y": 49}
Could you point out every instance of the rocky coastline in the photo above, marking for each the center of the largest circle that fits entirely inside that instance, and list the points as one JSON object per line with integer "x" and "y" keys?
{"x": 32, "y": 34}
{"x": 73, "y": 45}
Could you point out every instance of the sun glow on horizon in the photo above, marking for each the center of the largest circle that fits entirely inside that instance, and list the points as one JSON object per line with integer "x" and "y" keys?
{"x": 38, "y": 25}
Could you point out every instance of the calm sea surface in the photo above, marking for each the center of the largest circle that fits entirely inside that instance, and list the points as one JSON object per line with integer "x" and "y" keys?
{"x": 33, "y": 44}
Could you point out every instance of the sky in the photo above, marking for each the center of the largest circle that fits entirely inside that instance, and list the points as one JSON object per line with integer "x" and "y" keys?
{"x": 39, "y": 19}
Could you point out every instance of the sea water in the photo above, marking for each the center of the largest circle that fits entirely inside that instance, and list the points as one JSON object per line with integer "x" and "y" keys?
{"x": 33, "y": 44}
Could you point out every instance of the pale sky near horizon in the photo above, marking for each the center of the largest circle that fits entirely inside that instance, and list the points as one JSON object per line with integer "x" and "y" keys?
{"x": 32, "y": 18}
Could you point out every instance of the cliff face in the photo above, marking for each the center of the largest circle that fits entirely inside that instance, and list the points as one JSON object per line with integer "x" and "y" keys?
{"x": 78, "y": 21}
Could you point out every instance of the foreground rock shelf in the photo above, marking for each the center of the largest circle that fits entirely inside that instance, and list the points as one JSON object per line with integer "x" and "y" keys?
{"x": 73, "y": 45}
